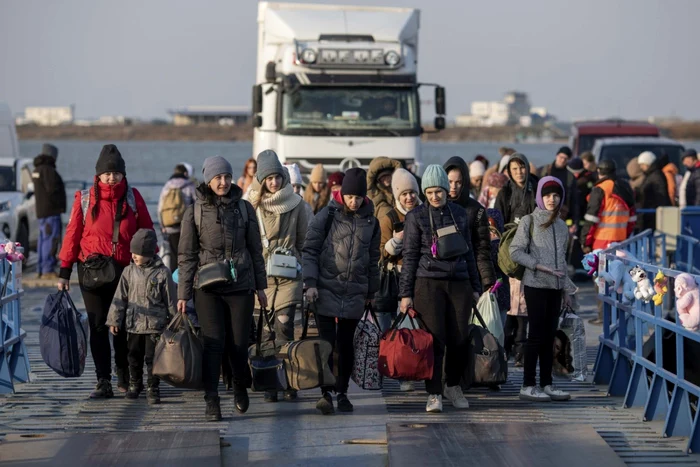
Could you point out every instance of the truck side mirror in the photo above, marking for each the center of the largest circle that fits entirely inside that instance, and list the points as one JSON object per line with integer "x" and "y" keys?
{"x": 270, "y": 72}
{"x": 257, "y": 121}
{"x": 257, "y": 99}
{"x": 440, "y": 101}
{"x": 439, "y": 123}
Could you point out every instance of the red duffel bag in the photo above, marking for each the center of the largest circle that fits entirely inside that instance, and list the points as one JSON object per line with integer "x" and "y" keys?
{"x": 407, "y": 354}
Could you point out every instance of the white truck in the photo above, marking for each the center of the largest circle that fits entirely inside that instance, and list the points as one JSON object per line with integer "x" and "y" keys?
{"x": 337, "y": 85}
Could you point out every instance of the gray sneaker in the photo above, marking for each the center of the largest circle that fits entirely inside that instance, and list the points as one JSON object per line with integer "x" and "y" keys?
{"x": 556, "y": 394}
{"x": 534, "y": 394}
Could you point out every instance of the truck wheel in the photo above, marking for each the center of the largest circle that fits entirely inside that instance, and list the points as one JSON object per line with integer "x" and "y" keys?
{"x": 23, "y": 239}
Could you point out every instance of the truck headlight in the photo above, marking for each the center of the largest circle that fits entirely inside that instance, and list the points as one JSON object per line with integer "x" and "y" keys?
{"x": 391, "y": 58}
{"x": 5, "y": 206}
{"x": 308, "y": 56}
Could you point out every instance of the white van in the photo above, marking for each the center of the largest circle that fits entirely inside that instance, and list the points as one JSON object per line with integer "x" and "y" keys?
{"x": 18, "y": 220}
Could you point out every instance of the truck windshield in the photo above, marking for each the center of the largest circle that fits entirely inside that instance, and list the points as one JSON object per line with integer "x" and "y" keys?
{"x": 352, "y": 110}
{"x": 623, "y": 153}
{"x": 7, "y": 179}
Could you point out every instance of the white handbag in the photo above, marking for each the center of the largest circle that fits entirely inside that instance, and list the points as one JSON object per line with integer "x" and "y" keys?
{"x": 281, "y": 262}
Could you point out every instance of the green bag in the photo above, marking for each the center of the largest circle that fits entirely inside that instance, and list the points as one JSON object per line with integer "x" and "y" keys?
{"x": 509, "y": 267}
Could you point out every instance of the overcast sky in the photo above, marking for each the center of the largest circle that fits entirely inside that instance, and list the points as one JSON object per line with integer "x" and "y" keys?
{"x": 592, "y": 58}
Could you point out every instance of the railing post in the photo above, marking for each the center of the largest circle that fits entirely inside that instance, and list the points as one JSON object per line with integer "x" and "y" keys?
{"x": 14, "y": 362}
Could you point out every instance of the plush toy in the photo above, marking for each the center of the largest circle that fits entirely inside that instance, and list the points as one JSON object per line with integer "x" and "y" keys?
{"x": 688, "y": 301}
{"x": 590, "y": 263}
{"x": 660, "y": 287}
{"x": 9, "y": 251}
{"x": 643, "y": 291}
{"x": 614, "y": 275}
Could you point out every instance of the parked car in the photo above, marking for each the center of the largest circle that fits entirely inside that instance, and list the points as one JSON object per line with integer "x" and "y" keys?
{"x": 624, "y": 149}
{"x": 585, "y": 134}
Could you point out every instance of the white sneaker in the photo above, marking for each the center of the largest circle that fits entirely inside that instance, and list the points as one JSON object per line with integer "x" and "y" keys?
{"x": 407, "y": 386}
{"x": 556, "y": 394}
{"x": 455, "y": 395}
{"x": 533, "y": 393}
{"x": 434, "y": 404}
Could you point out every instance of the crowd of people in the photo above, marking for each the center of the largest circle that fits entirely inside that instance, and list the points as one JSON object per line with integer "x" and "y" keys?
{"x": 342, "y": 229}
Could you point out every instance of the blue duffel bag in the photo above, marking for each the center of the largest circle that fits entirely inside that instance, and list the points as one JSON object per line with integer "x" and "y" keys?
{"x": 64, "y": 335}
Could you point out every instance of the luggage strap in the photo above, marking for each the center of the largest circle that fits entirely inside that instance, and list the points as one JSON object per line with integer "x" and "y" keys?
{"x": 319, "y": 363}
{"x": 478, "y": 316}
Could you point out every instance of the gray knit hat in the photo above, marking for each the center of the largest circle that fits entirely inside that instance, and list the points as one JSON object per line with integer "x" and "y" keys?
{"x": 268, "y": 164}
{"x": 214, "y": 166}
{"x": 144, "y": 243}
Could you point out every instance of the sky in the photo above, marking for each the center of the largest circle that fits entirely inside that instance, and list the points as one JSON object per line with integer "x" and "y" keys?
{"x": 592, "y": 58}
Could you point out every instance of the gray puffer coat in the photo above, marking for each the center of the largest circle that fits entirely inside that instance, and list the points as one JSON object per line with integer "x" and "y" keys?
{"x": 144, "y": 300}
{"x": 222, "y": 228}
{"x": 547, "y": 247}
{"x": 343, "y": 265}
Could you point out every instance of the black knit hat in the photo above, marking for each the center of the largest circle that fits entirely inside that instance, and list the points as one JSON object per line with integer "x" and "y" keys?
{"x": 110, "y": 160}
{"x": 355, "y": 182}
{"x": 144, "y": 243}
{"x": 49, "y": 150}
{"x": 565, "y": 150}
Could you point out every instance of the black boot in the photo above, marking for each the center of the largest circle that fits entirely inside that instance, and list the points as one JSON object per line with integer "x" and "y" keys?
{"x": 103, "y": 390}
{"x": 213, "y": 411}
{"x": 135, "y": 388}
{"x": 153, "y": 394}
{"x": 270, "y": 396}
{"x": 240, "y": 399}
{"x": 344, "y": 404}
{"x": 325, "y": 404}
{"x": 123, "y": 379}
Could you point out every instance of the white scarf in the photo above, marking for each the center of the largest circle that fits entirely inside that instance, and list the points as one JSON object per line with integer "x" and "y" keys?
{"x": 402, "y": 210}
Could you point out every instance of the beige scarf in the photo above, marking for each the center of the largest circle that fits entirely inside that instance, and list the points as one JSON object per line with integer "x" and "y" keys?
{"x": 278, "y": 203}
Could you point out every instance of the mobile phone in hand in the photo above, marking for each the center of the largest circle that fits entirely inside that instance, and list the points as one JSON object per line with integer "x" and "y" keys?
{"x": 398, "y": 226}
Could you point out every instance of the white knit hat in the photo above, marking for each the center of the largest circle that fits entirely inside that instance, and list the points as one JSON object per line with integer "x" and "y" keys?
{"x": 401, "y": 181}
{"x": 294, "y": 174}
{"x": 647, "y": 158}
{"x": 503, "y": 164}
{"x": 477, "y": 169}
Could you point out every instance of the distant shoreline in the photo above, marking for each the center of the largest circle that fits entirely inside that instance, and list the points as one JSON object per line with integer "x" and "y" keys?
{"x": 149, "y": 132}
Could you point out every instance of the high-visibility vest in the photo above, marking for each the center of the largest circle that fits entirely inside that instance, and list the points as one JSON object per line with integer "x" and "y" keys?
{"x": 613, "y": 218}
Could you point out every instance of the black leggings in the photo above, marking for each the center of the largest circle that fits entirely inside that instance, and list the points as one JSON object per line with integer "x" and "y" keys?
{"x": 225, "y": 319}
{"x": 341, "y": 338}
{"x": 97, "y": 302}
{"x": 516, "y": 335}
{"x": 543, "y": 308}
{"x": 142, "y": 348}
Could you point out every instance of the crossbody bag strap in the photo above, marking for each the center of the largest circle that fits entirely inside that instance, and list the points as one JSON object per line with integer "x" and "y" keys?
{"x": 115, "y": 227}
{"x": 432, "y": 226}
{"x": 265, "y": 241}
{"x": 453, "y": 218}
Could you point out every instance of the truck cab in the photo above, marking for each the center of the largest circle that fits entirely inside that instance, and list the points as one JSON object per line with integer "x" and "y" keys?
{"x": 336, "y": 85}
{"x": 585, "y": 134}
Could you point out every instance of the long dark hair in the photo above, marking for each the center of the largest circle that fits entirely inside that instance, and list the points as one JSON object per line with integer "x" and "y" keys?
{"x": 552, "y": 218}
{"x": 120, "y": 203}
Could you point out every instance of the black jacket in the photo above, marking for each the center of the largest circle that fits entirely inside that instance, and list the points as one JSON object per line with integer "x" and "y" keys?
{"x": 585, "y": 181}
{"x": 692, "y": 189}
{"x": 418, "y": 260}
{"x": 515, "y": 202}
{"x": 478, "y": 223}
{"x": 222, "y": 229}
{"x": 49, "y": 190}
{"x": 652, "y": 194}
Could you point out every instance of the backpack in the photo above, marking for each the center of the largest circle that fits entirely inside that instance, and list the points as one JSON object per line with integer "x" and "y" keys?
{"x": 506, "y": 264}
{"x": 172, "y": 208}
{"x": 85, "y": 201}
{"x": 63, "y": 336}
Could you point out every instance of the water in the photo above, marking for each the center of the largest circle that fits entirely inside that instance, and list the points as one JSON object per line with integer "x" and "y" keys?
{"x": 153, "y": 161}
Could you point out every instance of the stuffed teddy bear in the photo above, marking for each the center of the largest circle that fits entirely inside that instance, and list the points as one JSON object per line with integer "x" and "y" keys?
{"x": 643, "y": 291}
{"x": 9, "y": 251}
{"x": 660, "y": 287}
{"x": 688, "y": 301}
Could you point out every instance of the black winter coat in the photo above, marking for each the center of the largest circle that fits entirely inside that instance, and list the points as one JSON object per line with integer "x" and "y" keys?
{"x": 692, "y": 189}
{"x": 418, "y": 260}
{"x": 222, "y": 230}
{"x": 49, "y": 191}
{"x": 478, "y": 223}
{"x": 652, "y": 194}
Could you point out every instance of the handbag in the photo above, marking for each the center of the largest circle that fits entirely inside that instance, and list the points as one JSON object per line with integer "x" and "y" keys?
{"x": 365, "y": 371}
{"x": 386, "y": 299}
{"x": 221, "y": 273}
{"x": 281, "y": 262}
{"x": 268, "y": 371}
{"x": 178, "y": 356}
{"x": 487, "y": 363}
{"x": 98, "y": 269}
{"x": 407, "y": 354}
{"x": 448, "y": 242}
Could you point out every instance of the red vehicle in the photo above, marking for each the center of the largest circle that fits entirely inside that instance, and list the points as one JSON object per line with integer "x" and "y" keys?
{"x": 585, "y": 134}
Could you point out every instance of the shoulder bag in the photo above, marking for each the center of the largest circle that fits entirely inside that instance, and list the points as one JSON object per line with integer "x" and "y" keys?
{"x": 281, "y": 262}
{"x": 98, "y": 269}
{"x": 448, "y": 242}
{"x": 220, "y": 273}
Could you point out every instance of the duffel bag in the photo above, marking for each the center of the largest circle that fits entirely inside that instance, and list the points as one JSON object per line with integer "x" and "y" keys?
{"x": 487, "y": 364}
{"x": 407, "y": 354}
{"x": 266, "y": 368}
{"x": 365, "y": 372}
{"x": 178, "y": 355}
{"x": 306, "y": 360}
{"x": 63, "y": 335}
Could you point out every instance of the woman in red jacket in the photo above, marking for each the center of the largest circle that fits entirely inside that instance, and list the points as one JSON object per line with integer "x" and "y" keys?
{"x": 89, "y": 238}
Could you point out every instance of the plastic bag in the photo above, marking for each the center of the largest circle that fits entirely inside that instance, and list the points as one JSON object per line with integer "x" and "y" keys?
{"x": 575, "y": 329}
{"x": 490, "y": 313}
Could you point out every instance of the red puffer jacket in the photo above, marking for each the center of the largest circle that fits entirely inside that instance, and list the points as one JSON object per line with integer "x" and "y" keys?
{"x": 95, "y": 236}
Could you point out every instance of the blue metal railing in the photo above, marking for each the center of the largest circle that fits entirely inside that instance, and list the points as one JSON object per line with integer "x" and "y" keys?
{"x": 624, "y": 358}
{"x": 14, "y": 362}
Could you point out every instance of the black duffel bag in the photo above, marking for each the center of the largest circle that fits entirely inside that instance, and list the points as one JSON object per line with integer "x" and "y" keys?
{"x": 487, "y": 364}
{"x": 266, "y": 368}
